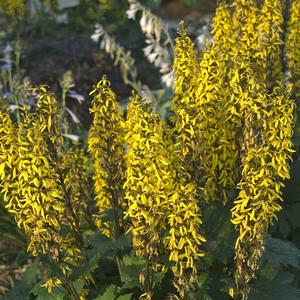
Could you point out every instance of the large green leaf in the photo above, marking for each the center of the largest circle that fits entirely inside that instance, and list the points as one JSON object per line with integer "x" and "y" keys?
{"x": 281, "y": 253}
{"x": 278, "y": 288}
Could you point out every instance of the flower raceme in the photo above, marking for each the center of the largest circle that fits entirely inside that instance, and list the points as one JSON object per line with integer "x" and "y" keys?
{"x": 13, "y": 7}
{"x": 266, "y": 113}
{"x": 293, "y": 46}
{"x": 33, "y": 183}
{"x": 147, "y": 183}
{"x": 30, "y": 186}
{"x": 107, "y": 146}
{"x": 162, "y": 205}
{"x": 204, "y": 136}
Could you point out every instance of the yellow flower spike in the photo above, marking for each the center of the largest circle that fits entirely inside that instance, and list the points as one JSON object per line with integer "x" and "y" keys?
{"x": 186, "y": 70}
{"x": 76, "y": 167}
{"x": 35, "y": 208}
{"x": 184, "y": 239}
{"x": 293, "y": 45}
{"x": 223, "y": 35}
{"x": 270, "y": 41}
{"x": 262, "y": 171}
{"x": 147, "y": 181}
{"x": 13, "y": 7}
{"x": 106, "y": 145}
{"x": 217, "y": 137}
{"x": 33, "y": 183}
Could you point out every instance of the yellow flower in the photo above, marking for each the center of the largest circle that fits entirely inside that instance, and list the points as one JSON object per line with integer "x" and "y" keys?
{"x": 223, "y": 34}
{"x": 76, "y": 167}
{"x": 106, "y": 144}
{"x": 33, "y": 181}
{"x": 32, "y": 193}
{"x": 51, "y": 283}
{"x": 161, "y": 198}
{"x": 293, "y": 45}
{"x": 147, "y": 178}
{"x": 186, "y": 118}
{"x": 13, "y": 7}
{"x": 270, "y": 41}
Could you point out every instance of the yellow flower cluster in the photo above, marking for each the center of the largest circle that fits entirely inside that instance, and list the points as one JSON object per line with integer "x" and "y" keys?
{"x": 146, "y": 178}
{"x": 33, "y": 182}
{"x": 206, "y": 138}
{"x": 236, "y": 110}
{"x": 217, "y": 140}
{"x": 293, "y": 45}
{"x": 13, "y": 7}
{"x": 262, "y": 104}
{"x": 184, "y": 239}
{"x": 270, "y": 40}
{"x": 107, "y": 146}
{"x": 31, "y": 189}
{"x": 223, "y": 34}
{"x": 76, "y": 168}
{"x": 162, "y": 204}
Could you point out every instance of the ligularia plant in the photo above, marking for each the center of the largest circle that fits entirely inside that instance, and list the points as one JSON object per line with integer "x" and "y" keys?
{"x": 136, "y": 196}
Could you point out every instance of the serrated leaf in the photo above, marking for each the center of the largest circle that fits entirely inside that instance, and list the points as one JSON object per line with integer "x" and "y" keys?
{"x": 109, "y": 294}
{"x": 105, "y": 246}
{"x": 281, "y": 253}
{"x": 125, "y": 297}
{"x": 133, "y": 265}
{"x": 85, "y": 269}
{"x": 40, "y": 292}
{"x": 275, "y": 289}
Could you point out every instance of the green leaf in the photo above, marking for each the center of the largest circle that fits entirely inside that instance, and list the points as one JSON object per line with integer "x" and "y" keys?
{"x": 275, "y": 289}
{"x": 131, "y": 271}
{"x": 125, "y": 297}
{"x": 109, "y": 294}
{"x": 57, "y": 293}
{"x": 85, "y": 269}
{"x": 281, "y": 253}
{"x": 103, "y": 246}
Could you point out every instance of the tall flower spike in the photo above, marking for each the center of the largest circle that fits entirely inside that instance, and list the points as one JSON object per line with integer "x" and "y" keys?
{"x": 106, "y": 144}
{"x": 38, "y": 184}
{"x": 77, "y": 167}
{"x": 217, "y": 138}
{"x": 266, "y": 151}
{"x": 184, "y": 239}
{"x": 32, "y": 187}
{"x": 147, "y": 183}
{"x": 186, "y": 69}
{"x": 270, "y": 41}
{"x": 46, "y": 115}
{"x": 13, "y": 7}
{"x": 293, "y": 45}
{"x": 30, "y": 182}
